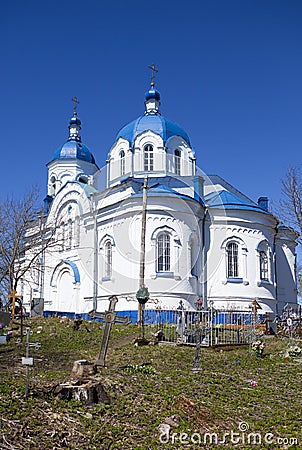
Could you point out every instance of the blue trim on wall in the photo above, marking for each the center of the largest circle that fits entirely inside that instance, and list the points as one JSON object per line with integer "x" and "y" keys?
{"x": 75, "y": 269}
{"x": 151, "y": 316}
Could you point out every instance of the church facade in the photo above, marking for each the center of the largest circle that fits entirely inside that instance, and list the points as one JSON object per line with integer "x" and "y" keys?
{"x": 204, "y": 241}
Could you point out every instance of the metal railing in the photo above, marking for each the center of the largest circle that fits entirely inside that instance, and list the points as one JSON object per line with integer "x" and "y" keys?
{"x": 216, "y": 327}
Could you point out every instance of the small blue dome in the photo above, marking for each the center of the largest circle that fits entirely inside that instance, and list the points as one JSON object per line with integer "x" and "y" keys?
{"x": 73, "y": 149}
{"x": 152, "y": 94}
{"x": 75, "y": 121}
{"x": 153, "y": 122}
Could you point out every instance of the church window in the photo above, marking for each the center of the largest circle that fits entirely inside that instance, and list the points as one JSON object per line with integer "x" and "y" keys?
{"x": 263, "y": 265}
{"x": 148, "y": 158}
{"x": 83, "y": 179}
{"x": 108, "y": 259}
{"x": 177, "y": 156}
{"x": 52, "y": 185}
{"x": 122, "y": 162}
{"x": 163, "y": 253}
{"x": 232, "y": 260}
{"x": 193, "y": 167}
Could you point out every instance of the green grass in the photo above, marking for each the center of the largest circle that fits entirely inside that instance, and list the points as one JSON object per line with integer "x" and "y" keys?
{"x": 215, "y": 400}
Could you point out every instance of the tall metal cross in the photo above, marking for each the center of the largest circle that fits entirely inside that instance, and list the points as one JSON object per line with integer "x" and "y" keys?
{"x": 154, "y": 70}
{"x": 110, "y": 317}
{"x": 198, "y": 335}
{"x": 75, "y": 102}
{"x": 255, "y": 307}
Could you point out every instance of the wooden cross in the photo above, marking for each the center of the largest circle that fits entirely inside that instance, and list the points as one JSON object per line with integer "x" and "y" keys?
{"x": 75, "y": 102}
{"x": 110, "y": 317}
{"x": 13, "y": 296}
{"x": 154, "y": 70}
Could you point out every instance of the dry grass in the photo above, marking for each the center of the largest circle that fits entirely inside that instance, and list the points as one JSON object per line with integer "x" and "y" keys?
{"x": 215, "y": 400}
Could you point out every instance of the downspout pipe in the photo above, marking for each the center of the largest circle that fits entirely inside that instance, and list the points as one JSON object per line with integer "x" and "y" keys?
{"x": 203, "y": 260}
{"x": 275, "y": 265}
{"x": 95, "y": 252}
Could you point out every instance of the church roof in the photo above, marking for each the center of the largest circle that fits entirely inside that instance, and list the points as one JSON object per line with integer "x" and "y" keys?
{"x": 152, "y": 120}
{"x": 74, "y": 148}
{"x": 227, "y": 200}
{"x": 158, "y": 190}
{"x": 156, "y": 123}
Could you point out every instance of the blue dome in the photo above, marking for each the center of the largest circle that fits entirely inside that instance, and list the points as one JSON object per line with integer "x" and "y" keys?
{"x": 153, "y": 122}
{"x": 73, "y": 149}
{"x": 75, "y": 121}
{"x": 152, "y": 93}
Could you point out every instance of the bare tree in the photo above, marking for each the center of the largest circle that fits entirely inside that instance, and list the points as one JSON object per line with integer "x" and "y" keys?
{"x": 290, "y": 206}
{"x": 22, "y": 232}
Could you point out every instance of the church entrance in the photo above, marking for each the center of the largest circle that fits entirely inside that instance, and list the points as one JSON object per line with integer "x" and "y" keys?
{"x": 65, "y": 292}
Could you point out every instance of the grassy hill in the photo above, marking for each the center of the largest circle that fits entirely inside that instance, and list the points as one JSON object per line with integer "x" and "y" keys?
{"x": 235, "y": 392}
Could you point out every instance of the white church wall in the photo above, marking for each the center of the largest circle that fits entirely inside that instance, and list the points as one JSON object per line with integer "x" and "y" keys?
{"x": 233, "y": 226}
{"x": 66, "y": 170}
{"x": 119, "y": 167}
{"x": 123, "y": 229}
{"x": 187, "y": 158}
{"x": 285, "y": 267}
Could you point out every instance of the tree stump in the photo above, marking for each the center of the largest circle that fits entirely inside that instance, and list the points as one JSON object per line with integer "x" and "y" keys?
{"x": 91, "y": 392}
{"x": 83, "y": 369}
{"x": 83, "y": 386}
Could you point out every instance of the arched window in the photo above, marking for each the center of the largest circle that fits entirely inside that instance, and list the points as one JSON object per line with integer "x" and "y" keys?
{"x": 263, "y": 265}
{"x": 83, "y": 179}
{"x": 52, "y": 185}
{"x": 107, "y": 259}
{"x": 232, "y": 260}
{"x": 163, "y": 247}
{"x": 122, "y": 162}
{"x": 177, "y": 156}
{"x": 148, "y": 158}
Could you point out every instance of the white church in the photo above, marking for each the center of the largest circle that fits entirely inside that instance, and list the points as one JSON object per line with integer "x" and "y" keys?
{"x": 205, "y": 242}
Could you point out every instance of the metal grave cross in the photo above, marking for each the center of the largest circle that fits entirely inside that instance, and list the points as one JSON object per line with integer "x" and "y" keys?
{"x": 110, "y": 317}
{"x": 196, "y": 361}
{"x": 255, "y": 306}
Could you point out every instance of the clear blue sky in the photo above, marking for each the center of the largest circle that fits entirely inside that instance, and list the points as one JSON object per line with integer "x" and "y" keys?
{"x": 230, "y": 75}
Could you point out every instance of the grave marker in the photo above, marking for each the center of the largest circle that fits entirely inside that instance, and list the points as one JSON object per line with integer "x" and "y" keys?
{"x": 110, "y": 317}
{"x": 13, "y": 296}
{"x": 197, "y": 334}
{"x": 27, "y": 360}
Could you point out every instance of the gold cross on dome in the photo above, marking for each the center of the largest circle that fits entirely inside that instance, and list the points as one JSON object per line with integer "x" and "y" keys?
{"x": 75, "y": 102}
{"x": 154, "y": 70}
